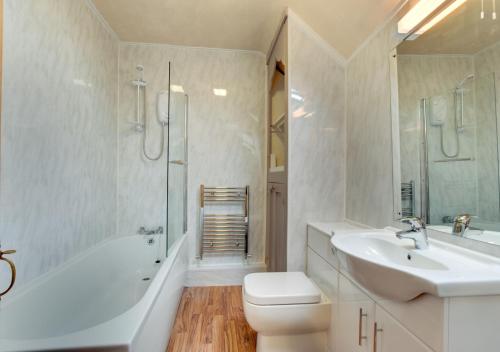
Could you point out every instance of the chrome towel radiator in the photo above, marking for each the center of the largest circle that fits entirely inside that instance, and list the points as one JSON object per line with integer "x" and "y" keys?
{"x": 408, "y": 199}
{"x": 224, "y": 220}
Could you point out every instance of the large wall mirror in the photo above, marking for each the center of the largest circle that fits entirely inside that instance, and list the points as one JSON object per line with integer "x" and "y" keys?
{"x": 446, "y": 122}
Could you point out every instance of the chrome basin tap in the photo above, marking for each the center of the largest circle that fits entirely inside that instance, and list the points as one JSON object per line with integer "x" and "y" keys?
{"x": 149, "y": 232}
{"x": 460, "y": 224}
{"x": 417, "y": 232}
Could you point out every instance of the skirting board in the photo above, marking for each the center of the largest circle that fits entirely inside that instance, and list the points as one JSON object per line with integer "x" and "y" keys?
{"x": 221, "y": 275}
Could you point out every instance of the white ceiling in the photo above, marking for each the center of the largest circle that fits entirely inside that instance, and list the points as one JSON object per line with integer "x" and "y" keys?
{"x": 242, "y": 24}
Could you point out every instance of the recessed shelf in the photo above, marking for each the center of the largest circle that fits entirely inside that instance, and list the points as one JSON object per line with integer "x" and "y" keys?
{"x": 279, "y": 125}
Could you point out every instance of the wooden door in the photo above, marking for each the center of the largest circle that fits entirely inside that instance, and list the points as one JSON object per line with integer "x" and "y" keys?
{"x": 276, "y": 227}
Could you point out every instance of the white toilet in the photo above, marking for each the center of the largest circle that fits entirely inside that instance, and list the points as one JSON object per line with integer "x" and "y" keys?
{"x": 287, "y": 310}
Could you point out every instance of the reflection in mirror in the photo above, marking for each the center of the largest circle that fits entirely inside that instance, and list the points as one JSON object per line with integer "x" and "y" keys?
{"x": 448, "y": 89}
{"x": 278, "y": 117}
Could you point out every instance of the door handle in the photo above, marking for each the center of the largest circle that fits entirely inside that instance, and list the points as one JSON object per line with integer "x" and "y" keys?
{"x": 360, "y": 327}
{"x": 376, "y": 330}
{"x": 12, "y": 270}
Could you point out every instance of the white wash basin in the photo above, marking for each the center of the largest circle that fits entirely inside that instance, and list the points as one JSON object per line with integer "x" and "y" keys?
{"x": 394, "y": 269}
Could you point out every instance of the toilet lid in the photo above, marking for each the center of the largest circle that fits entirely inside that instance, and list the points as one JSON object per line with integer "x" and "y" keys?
{"x": 280, "y": 288}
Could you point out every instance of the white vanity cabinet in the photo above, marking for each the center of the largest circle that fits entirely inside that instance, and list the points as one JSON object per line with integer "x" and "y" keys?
{"x": 363, "y": 326}
{"x": 365, "y": 322}
{"x": 356, "y": 315}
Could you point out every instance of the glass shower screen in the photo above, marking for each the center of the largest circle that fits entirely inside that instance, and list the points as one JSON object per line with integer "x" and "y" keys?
{"x": 177, "y": 168}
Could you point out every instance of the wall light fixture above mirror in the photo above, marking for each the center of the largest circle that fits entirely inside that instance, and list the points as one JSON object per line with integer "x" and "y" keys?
{"x": 446, "y": 140}
{"x": 426, "y": 14}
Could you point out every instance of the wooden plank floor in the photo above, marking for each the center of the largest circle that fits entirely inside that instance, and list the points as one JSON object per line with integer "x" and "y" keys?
{"x": 211, "y": 319}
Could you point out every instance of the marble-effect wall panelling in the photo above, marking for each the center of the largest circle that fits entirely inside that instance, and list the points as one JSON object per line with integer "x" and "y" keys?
{"x": 369, "y": 136}
{"x": 316, "y": 152}
{"x": 452, "y": 185}
{"x": 487, "y": 83}
{"x": 369, "y": 149}
{"x": 58, "y": 162}
{"x": 226, "y": 135}
{"x": 369, "y": 194}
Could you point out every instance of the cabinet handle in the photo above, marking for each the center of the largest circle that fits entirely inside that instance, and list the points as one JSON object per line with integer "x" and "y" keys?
{"x": 376, "y": 330}
{"x": 360, "y": 327}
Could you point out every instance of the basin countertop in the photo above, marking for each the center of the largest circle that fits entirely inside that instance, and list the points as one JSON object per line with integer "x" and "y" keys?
{"x": 393, "y": 268}
{"x": 329, "y": 227}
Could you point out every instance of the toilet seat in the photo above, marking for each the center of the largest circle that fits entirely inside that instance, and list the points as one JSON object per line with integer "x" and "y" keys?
{"x": 288, "y": 312}
{"x": 280, "y": 288}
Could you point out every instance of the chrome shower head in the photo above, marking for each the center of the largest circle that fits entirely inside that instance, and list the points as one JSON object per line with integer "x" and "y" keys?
{"x": 462, "y": 83}
{"x": 140, "y": 82}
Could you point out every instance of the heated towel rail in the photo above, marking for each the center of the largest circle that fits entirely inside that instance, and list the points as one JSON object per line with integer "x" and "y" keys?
{"x": 224, "y": 220}
{"x": 408, "y": 199}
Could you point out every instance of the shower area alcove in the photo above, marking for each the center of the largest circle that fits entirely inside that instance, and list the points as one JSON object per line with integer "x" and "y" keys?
{"x": 449, "y": 145}
{"x": 153, "y": 152}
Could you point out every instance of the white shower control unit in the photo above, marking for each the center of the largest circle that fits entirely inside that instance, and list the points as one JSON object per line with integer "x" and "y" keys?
{"x": 162, "y": 106}
{"x": 439, "y": 110}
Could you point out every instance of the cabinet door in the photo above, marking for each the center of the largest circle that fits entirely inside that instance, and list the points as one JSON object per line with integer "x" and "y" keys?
{"x": 326, "y": 277}
{"x": 356, "y": 313}
{"x": 276, "y": 227}
{"x": 390, "y": 336}
{"x": 269, "y": 228}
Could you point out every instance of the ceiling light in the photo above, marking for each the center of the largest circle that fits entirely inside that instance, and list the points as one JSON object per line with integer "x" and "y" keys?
{"x": 422, "y": 10}
{"x": 220, "y": 92}
{"x": 81, "y": 82}
{"x": 176, "y": 88}
{"x": 296, "y": 96}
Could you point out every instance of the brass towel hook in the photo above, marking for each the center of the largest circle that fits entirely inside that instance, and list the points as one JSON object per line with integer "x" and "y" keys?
{"x": 12, "y": 269}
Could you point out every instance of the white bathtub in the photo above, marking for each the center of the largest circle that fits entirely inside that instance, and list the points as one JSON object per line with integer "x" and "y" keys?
{"x": 98, "y": 301}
